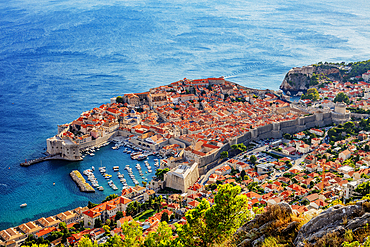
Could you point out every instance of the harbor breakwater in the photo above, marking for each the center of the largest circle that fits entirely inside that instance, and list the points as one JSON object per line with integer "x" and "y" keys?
{"x": 81, "y": 182}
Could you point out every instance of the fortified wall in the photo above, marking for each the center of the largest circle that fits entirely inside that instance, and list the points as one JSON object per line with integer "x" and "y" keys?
{"x": 277, "y": 130}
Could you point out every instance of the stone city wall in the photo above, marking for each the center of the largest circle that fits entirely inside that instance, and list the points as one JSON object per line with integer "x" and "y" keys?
{"x": 97, "y": 142}
{"x": 359, "y": 116}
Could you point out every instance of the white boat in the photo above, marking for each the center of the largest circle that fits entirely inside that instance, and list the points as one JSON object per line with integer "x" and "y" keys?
{"x": 92, "y": 154}
{"x": 116, "y": 168}
{"x": 100, "y": 188}
{"x": 23, "y": 205}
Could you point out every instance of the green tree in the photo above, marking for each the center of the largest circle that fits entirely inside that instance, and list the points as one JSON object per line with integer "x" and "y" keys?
{"x": 91, "y": 205}
{"x": 224, "y": 155}
{"x": 62, "y": 225}
{"x": 119, "y": 99}
{"x": 86, "y": 242}
{"x": 160, "y": 173}
{"x": 39, "y": 245}
{"x": 341, "y": 97}
{"x": 106, "y": 228}
{"x": 165, "y": 217}
{"x": 287, "y": 136}
{"x": 234, "y": 146}
{"x": 160, "y": 238}
{"x": 311, "y": 94}
{"x": 314, "y": 80}
{"x": 194, "y": 232}
{"x": 363, "y": 188}
{"x": 98, "y": 223}
{"x": 115, "y": 241}
{"x": 110, "y": 197}
{"x": 213, "y": 225}
{"x": 242, "y": 174}
{"x": 119, "y": 215}
{"x": 349, "y": 126}
{"x": 253, "y": 159}
{"x": 133, "y": 234}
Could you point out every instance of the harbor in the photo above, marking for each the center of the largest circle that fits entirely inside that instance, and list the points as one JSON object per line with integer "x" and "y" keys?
{"x": 132, "y": 166}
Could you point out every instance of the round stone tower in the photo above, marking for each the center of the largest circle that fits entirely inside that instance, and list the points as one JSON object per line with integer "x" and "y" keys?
{"x": 340, "y": 108}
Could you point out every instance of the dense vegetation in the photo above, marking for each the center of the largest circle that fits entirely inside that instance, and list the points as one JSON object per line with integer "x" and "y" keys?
{"x": 205, "y": 226}
{"x": 358, "y": 68}
{"x": 341, "y": 97}
{"x": 312, "y": 94}
{"x": 358, "y": 110}
{"x": 343, "y": 131}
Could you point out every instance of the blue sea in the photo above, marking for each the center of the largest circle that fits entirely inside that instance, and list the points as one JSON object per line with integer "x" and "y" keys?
{"x": 60, "y": 58}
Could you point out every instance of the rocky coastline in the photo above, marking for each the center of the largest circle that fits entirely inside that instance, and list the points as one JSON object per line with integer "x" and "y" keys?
{"x": 301, "y": 79}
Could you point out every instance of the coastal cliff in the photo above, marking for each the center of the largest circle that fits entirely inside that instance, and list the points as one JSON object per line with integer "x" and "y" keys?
{"x": 301, "y": 79}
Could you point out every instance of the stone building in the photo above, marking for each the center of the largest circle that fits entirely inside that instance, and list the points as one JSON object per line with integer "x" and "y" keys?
{"x": 158, "y": 99}
{"x": 66, "y": 148}
{"x": 105, "y": 210}
{"x": 182, "y": 177}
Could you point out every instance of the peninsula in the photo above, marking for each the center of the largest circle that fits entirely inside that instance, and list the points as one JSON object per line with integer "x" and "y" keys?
{"x": 198, "y": 119}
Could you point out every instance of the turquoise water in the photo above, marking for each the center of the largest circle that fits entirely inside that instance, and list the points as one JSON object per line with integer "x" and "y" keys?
{"x": 59, "y": 58}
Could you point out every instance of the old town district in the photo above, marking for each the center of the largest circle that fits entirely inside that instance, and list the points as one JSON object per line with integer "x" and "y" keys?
{"x": 210, "y": 132}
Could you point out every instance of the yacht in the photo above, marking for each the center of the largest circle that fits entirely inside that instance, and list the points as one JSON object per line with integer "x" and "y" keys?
{"x": 23, "y": 205}
{"x": 116, "y": 168}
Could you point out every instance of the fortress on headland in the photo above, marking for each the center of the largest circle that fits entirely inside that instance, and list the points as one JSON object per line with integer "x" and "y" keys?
{"x": 194, "y": 120}
{"x": 306, "y": 70}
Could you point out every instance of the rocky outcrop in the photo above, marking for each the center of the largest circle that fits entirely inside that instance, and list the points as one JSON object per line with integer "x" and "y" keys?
{"x": 276, "y": 221}
{"x": 295, "y": 82}
{"x": 281, "y": 226}
{"x": 298, "y": 79}
{"x": 335, "y": 220}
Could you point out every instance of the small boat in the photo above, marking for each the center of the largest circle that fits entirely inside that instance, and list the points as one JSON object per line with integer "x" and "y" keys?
{"x": 116, "y": 168}
{"x": 23, "y": 205}
{"x": 92, "y": 154}
{"x": 100, "y": 188}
